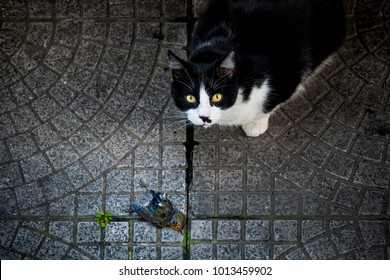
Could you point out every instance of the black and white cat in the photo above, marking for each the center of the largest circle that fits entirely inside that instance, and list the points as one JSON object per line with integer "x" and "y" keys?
{"x": 248, "y": 56}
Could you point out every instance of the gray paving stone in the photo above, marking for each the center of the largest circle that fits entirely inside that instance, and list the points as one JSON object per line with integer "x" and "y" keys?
{"x": 230, "y": 204}
{"x": 29, "y": 195}
{"x": 144, "y": 253}
{"x": 171, "y": 253}
{"x": 347, "y": 240}
{"x": 118, "y": 204}
{"x": 372, "y": 203}
{"x": 62, "y": 155}
{"x": 228, "y": 251}
{"x": 116, "y": 253}
{"x": 258, "y": 204}
{"x": 201, "y": 251}
{"x": 27, "y": 241}
{"x": 257, "y": 251}
{"x": 24, "y": 119}
{"x": 98, "y": 161}
{"x": 63, "y": 207}
{"x": 202, "y": 205}
{"x": 118, "y": 180}
{"x": 171, "y": 236}
{"x": 101, "y": 86}
{"x": 320, "y": 249}
{"x": 117, "y": 232}
{"x": 140, "y": 121}
{"x": 347, "y": 195}
{"x": 86, "y": 113}
{"x": 35, "y": 167}
{"x": 256, "y": 230}
{"x": 340, "y": 165}
{"x": 52, "y": 250}
{"x": 322, "y": 186}
{"x": 201, "y": 229}
{"x": 89, "y": 204}
{"x": 88, "y": 232}
{"x": 21, "y": 146}
{"x": 75, "y": 255}
{"x": 286, "y": 204}
{"x": 228, "y": 230}
{"x": 77, "y": 174}
{"x": 61, "y": 229}
{"x": 285, "y": 230}
{"x": 84, "y": 141}
{"x": 56, "y": 186}
{"x": 7, "y": 230}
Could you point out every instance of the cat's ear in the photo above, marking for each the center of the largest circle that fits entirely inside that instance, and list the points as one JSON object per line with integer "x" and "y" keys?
{"x": 177, "y": 65}
{"x": 228, "y": 65}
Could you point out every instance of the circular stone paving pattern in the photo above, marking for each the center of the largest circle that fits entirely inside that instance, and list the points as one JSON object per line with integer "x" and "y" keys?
{"x": 85, "y": 114}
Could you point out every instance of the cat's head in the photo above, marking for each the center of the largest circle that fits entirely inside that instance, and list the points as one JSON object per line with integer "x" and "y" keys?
{"x": 204, "y": 86}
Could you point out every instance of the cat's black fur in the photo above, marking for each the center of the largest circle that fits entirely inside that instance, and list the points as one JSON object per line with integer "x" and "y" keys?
{"x": 278, "y": 40}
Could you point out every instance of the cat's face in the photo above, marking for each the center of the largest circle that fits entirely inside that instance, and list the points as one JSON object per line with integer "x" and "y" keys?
{"x": 203, "y": 90}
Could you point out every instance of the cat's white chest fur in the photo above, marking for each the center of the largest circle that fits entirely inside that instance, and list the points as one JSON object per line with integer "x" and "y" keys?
{"x": 248, "y": 114}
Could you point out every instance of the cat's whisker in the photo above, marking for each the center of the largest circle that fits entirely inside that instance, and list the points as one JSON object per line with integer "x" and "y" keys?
{"x": 176, "y": 123}
{"x": 189, "y": 87}
{"x": 185, "y": 125}
{"x": 219, "y": 81}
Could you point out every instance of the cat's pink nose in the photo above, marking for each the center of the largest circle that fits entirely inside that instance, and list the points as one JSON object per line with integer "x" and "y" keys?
{"x": 205, "y": 119}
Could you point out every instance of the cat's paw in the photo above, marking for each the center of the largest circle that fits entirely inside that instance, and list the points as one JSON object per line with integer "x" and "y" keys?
{"x": 256, "y": 127}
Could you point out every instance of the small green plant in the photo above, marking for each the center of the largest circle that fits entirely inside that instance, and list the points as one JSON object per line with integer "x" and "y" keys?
{"x": 103, "y": 218}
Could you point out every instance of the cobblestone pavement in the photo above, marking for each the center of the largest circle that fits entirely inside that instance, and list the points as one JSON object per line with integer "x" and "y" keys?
{"x": 85, "y": 114}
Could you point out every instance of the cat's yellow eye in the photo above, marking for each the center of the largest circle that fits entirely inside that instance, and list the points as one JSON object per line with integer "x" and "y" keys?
{"x": 216, "y": 97}
{"x": 190, "y": 98}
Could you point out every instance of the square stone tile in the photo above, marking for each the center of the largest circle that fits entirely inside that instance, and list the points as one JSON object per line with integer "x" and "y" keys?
{"x": 88, "y": 232}
{"x": 29, "y": 195}
{"x": 116, "y": 253}
{"x": 230, "y": 204}
{"x": 27, "y": 241}
{"x": 372, "y": 203}
{"x": 144, "y": 232}
{"x": 320, "y": 249}
{"x": 228, "y": 230}
{"x": 258, "y": 204}
{"x": 201, "y": 229}
{"x": 7, "y": 230}
{"x": 118, "y": 204}
{"x": 52, "y": 250}
{"x": 256, "y": 230}
{"x": 21, "y": 146}
{"x": 202, "y": 205}
{"x": 286, "y": 204}
{"x": 63, "y": 207}
{"x": 35, "y": 167}
{"x": 117, "y": 232}
{"x": 171, "y": 253}
{"x": 98, "y": 161}
{"x": 62, "y": 155}
{"x": 89, "y": 204}
{"x": 118, "y": 181}
{"x": 257, "y": 251}
{"x": 228, "y": 252}
{"x": 322, "y": 186}
{"x": 347, "y": 240}
{"x": 285, "y": 230}
{"x": 201, "y": 252}
{"x": 144, "y": 253}
{"x": 62, "y": 229}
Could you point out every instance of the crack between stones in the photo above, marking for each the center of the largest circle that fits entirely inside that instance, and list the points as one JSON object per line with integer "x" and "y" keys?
{"x": 189, "y": 146}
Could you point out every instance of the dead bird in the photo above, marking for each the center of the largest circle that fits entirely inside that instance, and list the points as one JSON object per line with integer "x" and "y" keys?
{"x": 160, "y": 212}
